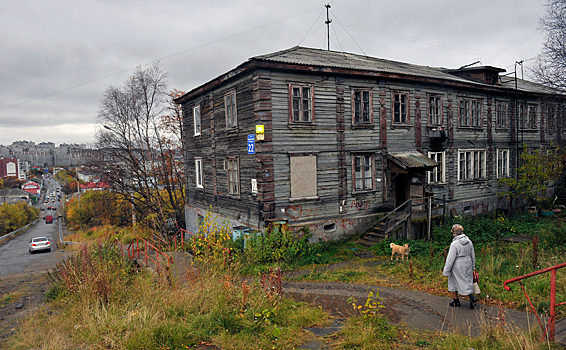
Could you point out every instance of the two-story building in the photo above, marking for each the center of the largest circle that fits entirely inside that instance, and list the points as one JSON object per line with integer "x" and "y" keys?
{"x": 343, "y": 136}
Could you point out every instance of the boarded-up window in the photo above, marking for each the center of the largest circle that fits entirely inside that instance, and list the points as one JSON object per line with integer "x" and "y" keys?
{"x": 303, "y": 176}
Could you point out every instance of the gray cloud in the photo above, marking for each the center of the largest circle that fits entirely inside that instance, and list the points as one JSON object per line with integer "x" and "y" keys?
{"x": 58, "y": 57}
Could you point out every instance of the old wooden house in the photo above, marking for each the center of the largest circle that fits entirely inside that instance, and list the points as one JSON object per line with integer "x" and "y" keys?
{"x": 328, "y": 139}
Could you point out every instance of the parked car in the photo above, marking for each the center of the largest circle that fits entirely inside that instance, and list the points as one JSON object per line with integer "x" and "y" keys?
{"x": 39, "y": 243}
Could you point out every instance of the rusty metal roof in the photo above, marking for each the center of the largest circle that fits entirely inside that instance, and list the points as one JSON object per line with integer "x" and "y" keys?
{"x": 410, "y": 160}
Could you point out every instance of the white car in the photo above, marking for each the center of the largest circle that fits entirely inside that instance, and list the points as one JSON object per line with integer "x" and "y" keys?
{"x": 39, "y": 243}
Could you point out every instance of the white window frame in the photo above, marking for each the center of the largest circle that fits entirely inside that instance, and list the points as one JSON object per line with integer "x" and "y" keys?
{"x": 198, "y": 173}
{"x": 502, "y": 162}
{"x": 433, "y": 175}
{"x": 231, "y": 110}
{"x": 233, "y": 174}
{"x": 471, "y": 164}
{"x": 368, "y": 182}
{"x": 197, "y": 120}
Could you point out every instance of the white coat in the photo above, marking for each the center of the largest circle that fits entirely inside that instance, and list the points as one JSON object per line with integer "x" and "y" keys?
{"x": 460, "y": 264}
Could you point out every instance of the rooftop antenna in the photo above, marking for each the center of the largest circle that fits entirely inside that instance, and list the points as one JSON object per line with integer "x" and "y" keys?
{"x": 328, "y": 21}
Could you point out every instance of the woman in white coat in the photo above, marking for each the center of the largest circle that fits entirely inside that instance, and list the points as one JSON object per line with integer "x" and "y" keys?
{"x": 459, "y": 267}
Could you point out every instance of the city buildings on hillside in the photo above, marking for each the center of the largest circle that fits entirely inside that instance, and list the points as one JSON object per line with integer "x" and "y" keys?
{"x": 46, "y": 154}
{"x": 328, "y": 139}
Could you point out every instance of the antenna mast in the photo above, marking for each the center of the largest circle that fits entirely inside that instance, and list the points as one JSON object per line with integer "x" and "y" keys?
{"x": 328, "y": 21}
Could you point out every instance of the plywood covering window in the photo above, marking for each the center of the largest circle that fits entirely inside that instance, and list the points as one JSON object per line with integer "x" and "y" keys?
{"x": 301, "y": 103}
{"x": 231, "y": 111}
{"x": 501, "y": 117}
{"x": 303, "y": 177}
{"x": 470, "y": 113}
{"x": 435, "y": 110}
{"x": 196, "y": 119}
{"x": 362, "y": 109}
{"x": 471, "y": 165}
{"x": 198, "y": 172}
{"x": 363, "y": 172}
{"x": 502, "y": 162}
{"x": 233, "y": 168}
{"x": 436, "y": 176}
{"x": 400, "y": 107}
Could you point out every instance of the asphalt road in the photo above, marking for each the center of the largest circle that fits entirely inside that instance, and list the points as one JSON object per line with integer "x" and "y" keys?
{"x": 14, "y": 255}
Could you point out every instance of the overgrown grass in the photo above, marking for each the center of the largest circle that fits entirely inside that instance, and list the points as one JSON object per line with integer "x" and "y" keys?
{"x": 100, "y": 302}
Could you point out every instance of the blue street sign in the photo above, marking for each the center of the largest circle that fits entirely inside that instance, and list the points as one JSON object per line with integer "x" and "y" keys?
{"x": 251, "y": 144}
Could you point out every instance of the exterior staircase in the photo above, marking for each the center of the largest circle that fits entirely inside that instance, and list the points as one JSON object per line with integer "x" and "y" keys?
{"x": 561, "y": 198}
{"x": 387, "y": 225}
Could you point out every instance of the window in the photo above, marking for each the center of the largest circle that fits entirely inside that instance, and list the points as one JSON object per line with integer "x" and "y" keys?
{"x": 502, "y": 162}
{"x": 532, "y": 117}
{"x": 230, "y": 107}
{"x": 362, "y": 109}
{"x": 198, "y": 172}
{"x": 522, "y": 117}
{"x": 196, "y": 117}
{"x": 363, "y": 172}
{"x": 435, "y": 110}
{"x": 437, "y": 174}
{"x": 471, "y": 165}
{"x": 470, "y": 113}
{"x": 232, "y": 165}
{"x": 501, "y": 115}
{"x": 301, "y": 104}
{"x": 303, "y": 177}
{"x": 400, "y": 107}
{"x": 551, "y": 119}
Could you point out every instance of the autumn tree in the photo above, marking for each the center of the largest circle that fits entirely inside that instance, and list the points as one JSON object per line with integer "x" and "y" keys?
{"x": 139, "y": 138}
{"x": 538, "y": 170}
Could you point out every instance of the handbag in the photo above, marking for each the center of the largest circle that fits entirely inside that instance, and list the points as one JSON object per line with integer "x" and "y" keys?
{"x": 476, "y": 278}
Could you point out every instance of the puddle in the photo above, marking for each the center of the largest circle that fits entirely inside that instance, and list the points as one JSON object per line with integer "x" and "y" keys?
{"x": 337, "y": 305}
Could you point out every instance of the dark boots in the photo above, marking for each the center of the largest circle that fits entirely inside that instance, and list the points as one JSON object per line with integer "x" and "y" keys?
{"x": 455, "y": 303}
{"x": 473, "y": 301}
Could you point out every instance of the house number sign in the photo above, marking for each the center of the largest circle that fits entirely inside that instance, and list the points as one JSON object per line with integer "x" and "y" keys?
{"x": 251, "y": 144}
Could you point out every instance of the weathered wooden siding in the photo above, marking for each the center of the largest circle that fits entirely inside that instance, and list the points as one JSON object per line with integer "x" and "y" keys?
{"x": 263, "y": 98}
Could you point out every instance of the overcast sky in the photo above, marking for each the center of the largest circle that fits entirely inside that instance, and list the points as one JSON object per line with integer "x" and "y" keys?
{"x": 58, "y": 57}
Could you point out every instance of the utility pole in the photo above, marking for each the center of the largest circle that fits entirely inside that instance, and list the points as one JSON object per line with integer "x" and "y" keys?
{"x": 328, "y": 21}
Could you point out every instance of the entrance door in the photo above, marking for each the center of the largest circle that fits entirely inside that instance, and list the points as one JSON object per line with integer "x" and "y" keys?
{"x": 401, "y": 188}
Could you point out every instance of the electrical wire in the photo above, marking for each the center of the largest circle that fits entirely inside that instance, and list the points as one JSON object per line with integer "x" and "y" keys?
{"x": 304, "y": 37}
{"x": 164, "y": 57}
{"x": 423, "y": 41}
{"x": 351, "y": 37}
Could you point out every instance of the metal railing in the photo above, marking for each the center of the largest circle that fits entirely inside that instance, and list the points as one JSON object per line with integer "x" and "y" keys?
{"x": 140, "y": 247}
{"x": 550, "y": 327}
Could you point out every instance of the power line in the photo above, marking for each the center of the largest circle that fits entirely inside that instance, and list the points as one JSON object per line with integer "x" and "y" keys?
{"x": 307, "y": 33}
{"x": 354, "y": 40}
{"x": 164, "y": 57}
{"x": 424, "y": 41}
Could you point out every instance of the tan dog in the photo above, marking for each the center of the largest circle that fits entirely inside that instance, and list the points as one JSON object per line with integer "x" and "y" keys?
{"x": 401, "y": 250}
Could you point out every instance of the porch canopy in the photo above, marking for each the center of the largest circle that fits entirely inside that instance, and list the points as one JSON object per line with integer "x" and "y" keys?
{"x": 412, "y": 160}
